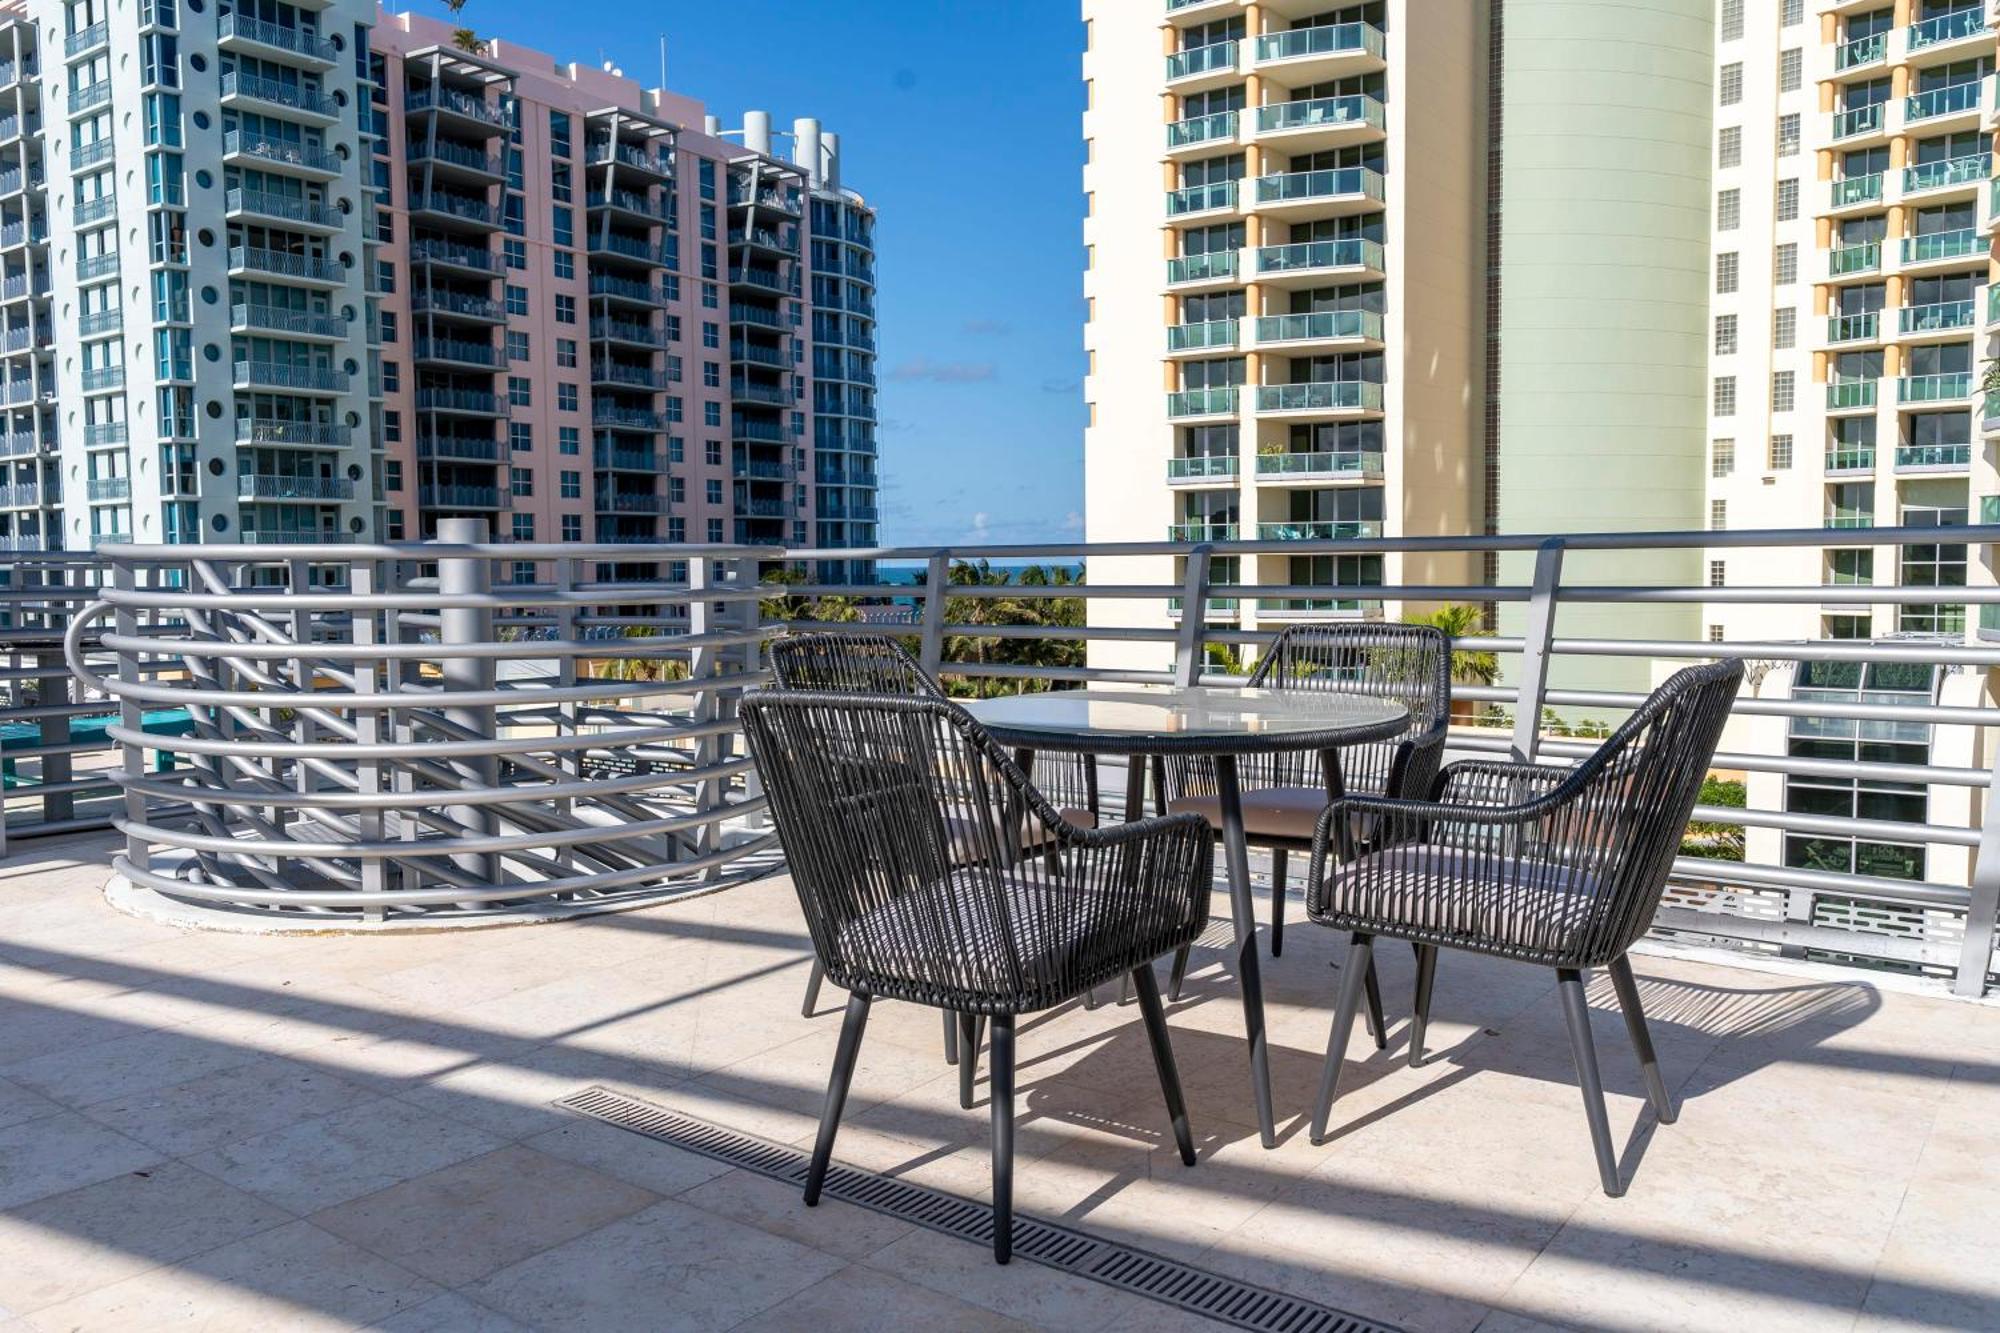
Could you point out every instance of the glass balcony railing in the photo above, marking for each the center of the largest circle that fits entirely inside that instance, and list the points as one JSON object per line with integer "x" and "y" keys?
{"x": 1857, "y": 120}
{"x": 1321, "y": 113}
{"x": 1853, "y": 458}
{"x": 1989, "y": 410}
{"x": 1841, "y": 394}
{"x": 1306, "y": 256}
{"x": 1344, "y": 463}
{"x": 1189, "y": 337}
{"x": 1947, "y": 171}
{"x": 1841, "y": 516}
{"x": 1852, "y": 328}
{"x": 1326, "y": 396}
{"x": 1292, "y": 186}
{"x": 1934, "y": 388}
{"x": 1201, "y": 531}
{"x": 1861, "y": 51}
{"x": 1863, "y": 258}
{"x": 1930, "y": 457}
{"x": 1201, "y": 60}
{"x": 1857, "y": 190}
{"x": 1952, "y": 27}
{"x": 1324, "y": 39}
{"x": 1321, "y": 326}
{"x": 1943, "y": 245}
{"x": 1936, "y": 317}
{"x": 1215, "y": 606}
{"x": 1202, "y": 268}
{"x": 1201, "y": 198}
{"x": 1190, "y": 469}
{"x": 1319, "y": 530}
{"x": 1283, "y": 607}
{"x": 1949, "y": 100}
{"x": 1202, "y": 129}
{"x": 1993, "y": 303}
{"x": 1201, "y": 402}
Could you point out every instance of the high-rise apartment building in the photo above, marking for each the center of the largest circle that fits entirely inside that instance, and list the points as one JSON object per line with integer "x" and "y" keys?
{"x": 1352, "y": 273}
{"x": 323, "y": 273}
{"x": 1852, "y": 209}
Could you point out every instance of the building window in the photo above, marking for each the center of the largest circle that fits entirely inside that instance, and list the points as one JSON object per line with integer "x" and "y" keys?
{"x": 520, "y": 391}
{"x": 517, "y": 300}
{"x": 385, "y": 321}
{"x": 711, "y": 452}
{"x": 1729, "y": 146}
{"x": 517, "y": 345}
{"x": 566, "y": 354}
{"x": 569, "y": 440}
{"x": 565, "y": 310}
{"x": 1728, "y": 209}
{"x": 572, "y": 527}
{"x": 1783, "y": 391}
{"x": 1730, "y": 83}
{"x": 1793, "y": 14}
{"x": 524, "y": 527}
{"x": 514, "y": 252}
{"x": 1725, "y": 272}
{"x": 392, "y": 474}
{"x": 1715, "y": 634}
{"x": 571, "y": 485}
{"x": 520, "y": 436}
{"x": 713, "y": 489}
{"x": 1725, "y": 334}
{"x": 566, "y": 396}
{"x": 1788, "y": 200}
{"x": 392, "y": 427}
{"x": 715, "y": 529}
{"x": 1722, "y": 458}
{"x": 1718, "y": 515}
{"x": 1725, "y": 395}
{"x": 1791, "y": 66}
{"x": 1784, "y": 328}
{"x": 711, "y": 334}
{"x": 1717, "y": 574}
{"x": 522, "y": 482}
{"x": 1781, "y": 452}
{"x": 1732, "y": 20}
{"x": 1788, "y": 134}
{"x": 1785, "y": 264}
{"x": 711, "y": 375}
{"x": 563, "y": 264}
{"x": 395, "y": 525}
{"x": 711, "y": 415}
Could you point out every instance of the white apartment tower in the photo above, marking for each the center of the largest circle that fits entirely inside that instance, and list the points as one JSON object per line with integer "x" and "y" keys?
{"x": 29, "y": 492}
{"x": 1285, "y": 321}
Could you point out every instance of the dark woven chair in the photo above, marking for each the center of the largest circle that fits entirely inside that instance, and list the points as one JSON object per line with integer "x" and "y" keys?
{"x": 1559, "y": 867}
{"x": 908, "y": 898}
{"x": 1283, "y": 794}
{"x": 877, "y": 664}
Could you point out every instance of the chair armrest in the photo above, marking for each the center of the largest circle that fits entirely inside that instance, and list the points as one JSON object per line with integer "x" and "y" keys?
{"x": 1506, "y": 829}
{"x": 1495, "y": 782}
{"x": 1168, "y": 860}
{"x": 1415, "y": 766}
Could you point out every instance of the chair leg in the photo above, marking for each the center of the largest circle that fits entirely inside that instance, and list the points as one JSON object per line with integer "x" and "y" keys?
{"x": 1376, "y": 1023}
{"x": 968, "y": 1057}
{"x": 1642, "y": 1040}
{"x": 1179, "y": 973}
{"x": 1360, "y": 963}
{"x": 1427, "y": 962}
{"x": 950, "y": 1037}
{"x": 1148, "y": 987}
{"x": 813, "y": 979}
{"x": 836, "y": 1092}
{"x": 1002, "y": 1057}
{"x": 1277, "y": 901}
{"x": 1576, "y": 1012}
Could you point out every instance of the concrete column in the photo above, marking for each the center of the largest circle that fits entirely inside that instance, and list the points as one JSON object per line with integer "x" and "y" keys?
{"x": 460, "y": 577}
{"x": 806, "y": 149}
{"x": 757, "y": 131}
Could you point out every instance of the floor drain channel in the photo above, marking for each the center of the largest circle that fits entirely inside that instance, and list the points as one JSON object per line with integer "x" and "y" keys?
{"x": 1113, "y": 1263}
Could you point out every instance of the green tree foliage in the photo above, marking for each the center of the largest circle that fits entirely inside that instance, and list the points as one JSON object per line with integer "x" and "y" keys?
{"x": 1715, "y": 841}
{"x": 996, "y": 610}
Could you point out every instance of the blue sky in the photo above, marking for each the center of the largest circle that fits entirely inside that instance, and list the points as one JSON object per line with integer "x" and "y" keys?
{"x": 962, "y": 123}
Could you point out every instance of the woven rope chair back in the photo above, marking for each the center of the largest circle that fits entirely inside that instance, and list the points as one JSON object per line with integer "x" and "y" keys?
{"x": 848, "y": 664}
{"x": 904, "y": 826}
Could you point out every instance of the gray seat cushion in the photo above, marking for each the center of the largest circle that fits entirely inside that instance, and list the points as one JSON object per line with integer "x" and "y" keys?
{"x": 1442, "y": 890}
{"x": 960, "y": 931}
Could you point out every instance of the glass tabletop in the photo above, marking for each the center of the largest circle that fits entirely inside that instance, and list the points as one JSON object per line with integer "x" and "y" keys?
{"x": 1147, "y": 718}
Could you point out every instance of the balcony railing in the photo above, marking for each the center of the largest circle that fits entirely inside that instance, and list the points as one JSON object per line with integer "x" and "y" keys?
{"x": 1201, "y": 402}
{"x": 437, "y": 98}
{"x": 1856, "y": 190}
{"x": 1219, "y": 264}
{"x": 462, "y": 256}
{"x": 1932, "y": 457}
{"x": 285, "y": 264}
{"x": 266, "y": 204}
{"x": 1321, "y": 40}
{"x": 1937, "y": 175}
{"x": 275, "y": 319}
{"x": 1340, "y": 182}
{"x": 1852, "y": 328}
{"x": 283, "y": 432}
{"x": 1850, "y": 394}
{"x": 1307, "y": 256}
{"x": 298, "y": 41}
{"x": 458, "y": 155}
{"x": 281, "y": 375}
{"x": 1191, "y": 337}
{"x": 1307, "y": 466}
{"x": 1322, "y": 326}
{"x": 1934, "y": 388}
{"x": 1857, "y": 120}
{"x": 1319, "y": 530}
{"x": 1952, "y": 27}
{"x": 1321, "y": 113}
{"x": 1861, "y": 51}
{"x": 1202, "y": 129}
{"x": 1201, "y": 198}
{"x": 1943, "y": 245}
{"x": 464, "y": 497}
{"x": 1325, "y": 396}
{"x": 1201, "y": 531}
{"x": 1863, "y": 258}
{"x": 296, "y": 96}
{"x": 1937, "y": 317}
{"x": 1214, "y": 57}
{"x": 255, "y": 486}
{"x": 1949, "y": 100}
{"x": 1855, "y": 458}
{"x": 1208, "y": 466}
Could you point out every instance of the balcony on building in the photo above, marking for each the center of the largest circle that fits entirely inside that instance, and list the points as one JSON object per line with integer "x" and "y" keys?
{"x": 1209, "y": 335}
{"x": 632, "y": 207}
{"x": 626, "y": 496}
{"x": 1309, "y": 264}
{"x": 447, "y": 303}
{"x": 440, "y": 252}
{"x": 1218, "y": 268}
{"x": 637, "y": 160}
{"x": 1957, "y": 30}
{"x": 288, "y": 433}
{"x": 257, "y": 317}
{"x": 1949, "y": 106}
{"x": 1941, "y": 319}
{"x": 1216, "y": 402}
{"x": 624, "y": 290}
{"x": 1918, "y": 390}
{"x": 1201, "y": 530}
{"x": 1307, "y": 610}
{"x": 1324, "y": 397}
{"x": 1966, "y": 173}
{"x": 1857, "y": 395}
{"x": 293, "y": 212}
{"x": 457, "y": 400}
{"x": 635, "y": 333}
{"x": 1202, "y": 201}
{"x": 449, "y": 448}
{"x": 457, "y": 101}
{"x": 1319, "y": 530}
{"x": 1856, "y": 194}
{"x": 1861, "y": 52}
{"x": 290, "y": 378}
{"x": 1850, "y": 460}
{"x": 289, "y": 43}
{"x": 464, "y": 496}
{"x": 465, "y": 165}
{"x": 1201, "y": 134}
{"x": 443, "y": 350}
{"x": 1320, "y": 53}
{"x": 637, "y": 252}
{"x": 293, "y": 99}
{"x": 608, "y": 455}
{"x": 1922, "y": 458}
{"x": 1317, "y": 123}
{"x": 452, "y": 209}
{"x": 1852, "y": 261}
{"x": 1859, "y": 328}
{"x": 1194, "y": 69}
{"x": 1286, "y": 468}
{"x": 283, "y": 488}
{"x": 1202, "y": 470}
{"x": 287, "y": 264}
{"x": 1334, "y": 192}
{"x": 1303, "y": 334}
{"x": 1860, "y": 125}
{"x": 1223, "y": 609}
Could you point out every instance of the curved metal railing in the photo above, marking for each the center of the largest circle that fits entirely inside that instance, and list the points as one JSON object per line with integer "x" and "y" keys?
{"x": 394, "y": 734}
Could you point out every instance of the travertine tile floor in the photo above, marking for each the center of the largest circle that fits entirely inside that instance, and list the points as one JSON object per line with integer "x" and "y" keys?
{"x": 227, "y": 1132}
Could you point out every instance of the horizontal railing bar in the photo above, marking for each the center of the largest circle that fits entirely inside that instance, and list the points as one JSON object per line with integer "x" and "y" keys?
{"x": 1934, "y": 714}
{"x": 1785, "y": 765}
{"x": 1803, "y": 934}
{"x": 1829, "y": 650}
{"x": 1877, "y": 888}
{"x": 1838, "y": 826}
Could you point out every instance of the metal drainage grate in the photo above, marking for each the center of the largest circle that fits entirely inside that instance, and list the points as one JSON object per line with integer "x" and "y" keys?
{"x": 1226, "y": 1299}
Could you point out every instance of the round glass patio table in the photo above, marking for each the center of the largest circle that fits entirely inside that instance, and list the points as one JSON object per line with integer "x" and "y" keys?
{"x": 1139, "y": 721}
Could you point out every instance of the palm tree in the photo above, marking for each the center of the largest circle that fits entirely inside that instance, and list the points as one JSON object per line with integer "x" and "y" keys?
{"x": 1468, "y": 666}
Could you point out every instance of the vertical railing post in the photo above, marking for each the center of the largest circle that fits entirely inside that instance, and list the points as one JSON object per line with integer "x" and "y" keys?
{"x": 465, "y": 628}
{"x": 567, "y": 629}
{"x": 1536, "y": 637}
{"x": 53, "y": 687}
{"x": 752, "y": 621}
{"x": 1192, "y": 634}
{"x": 368, "y": 729}
{"x": 937, "y": 577}
{"x": 703, "y": 665}
{"x": 131, "y": 714}
{"x": 1982, "y": 908}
